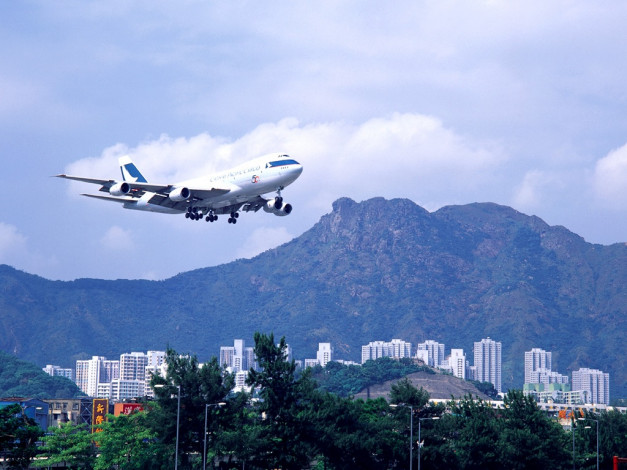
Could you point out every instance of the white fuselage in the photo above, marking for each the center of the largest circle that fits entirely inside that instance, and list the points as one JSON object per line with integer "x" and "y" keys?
{"x": 246, "y": 181}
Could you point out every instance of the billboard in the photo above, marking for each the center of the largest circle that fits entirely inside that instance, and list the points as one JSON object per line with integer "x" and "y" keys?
{"x": 127, "y": 408}
{"x": 99, "y": 413}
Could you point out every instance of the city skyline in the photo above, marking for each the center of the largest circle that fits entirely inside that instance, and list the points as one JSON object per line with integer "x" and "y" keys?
{"x": 130, "y": 376}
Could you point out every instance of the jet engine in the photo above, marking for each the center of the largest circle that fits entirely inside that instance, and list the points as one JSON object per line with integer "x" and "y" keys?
{"x": 120, "y": 189}
{"x": 180, "y": 194}
{"x": 277, "y": 207}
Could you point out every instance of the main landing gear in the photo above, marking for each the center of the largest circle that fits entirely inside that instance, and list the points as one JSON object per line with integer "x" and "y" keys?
{"x": 194, "y": 213}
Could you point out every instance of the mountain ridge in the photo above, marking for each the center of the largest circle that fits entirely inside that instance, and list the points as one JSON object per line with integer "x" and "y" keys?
{"x": 378, "y": 269}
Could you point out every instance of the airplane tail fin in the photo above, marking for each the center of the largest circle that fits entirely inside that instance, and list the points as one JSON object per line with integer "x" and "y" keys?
{"x": 130, "y": 171}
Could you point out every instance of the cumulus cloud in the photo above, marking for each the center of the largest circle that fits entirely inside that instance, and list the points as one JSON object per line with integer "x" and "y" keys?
{"x": 117, "y": 239}
{"x": 263, "y": 239}
{"x": 610, "y": 178}
{"x": 528, "y": 194}
{"x": 15, "y": 251}
{"x": 11, "y": 243}
{"x": 401, "y": 155}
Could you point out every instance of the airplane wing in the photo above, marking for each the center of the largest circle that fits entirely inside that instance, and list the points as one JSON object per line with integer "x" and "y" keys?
{"x": 105, "y": 185}
{"x": 139, "y": 189}
{"x": 255, "y": 204}
{"x": 161, "y": 196}
{"x": 111, "y": 198}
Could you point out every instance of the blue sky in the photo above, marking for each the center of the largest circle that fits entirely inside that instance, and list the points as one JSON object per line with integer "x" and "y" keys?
{"x": 519, "y": 103}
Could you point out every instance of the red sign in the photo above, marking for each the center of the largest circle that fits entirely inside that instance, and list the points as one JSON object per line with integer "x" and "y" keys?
{"x": 127, "y": 408}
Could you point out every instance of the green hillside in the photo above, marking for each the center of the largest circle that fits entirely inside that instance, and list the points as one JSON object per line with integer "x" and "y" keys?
{"x": 375, "y": 270}
{"x": 23, "y": 379}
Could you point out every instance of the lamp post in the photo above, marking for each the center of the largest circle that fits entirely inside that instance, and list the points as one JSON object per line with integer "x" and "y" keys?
{"x": 411, "y": 433}
{"x": 204, "y": 453}
{"x": 420, "y": 420}
{"x": 178, "y": 417}
{"x": 597, "y": 422}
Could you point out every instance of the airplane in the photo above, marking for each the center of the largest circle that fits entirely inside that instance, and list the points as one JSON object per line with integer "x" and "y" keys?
{"x": 228, "y": 192}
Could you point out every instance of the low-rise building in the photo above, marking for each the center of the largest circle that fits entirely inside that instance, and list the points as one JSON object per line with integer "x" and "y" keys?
{"x": 32, "y": 407}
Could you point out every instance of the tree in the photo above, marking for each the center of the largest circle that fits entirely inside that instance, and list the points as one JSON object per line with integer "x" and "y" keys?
{"x": 282, "y": 409}
{"x": 414, "y": 400}
{"x": 23, "y": 379}
{"x": 18, "y": 436}
{"x": 476, "y": 442}
{"x": 69, "y": 445}
{"x": 126, "y": 442}
{"x": 612, "y": 437}
{"x": 530, "y": 440}
{"x": 406, "y": 393}
{"x": 355, "y": 433}
{"x": 487, "y": 388}
{"x": 199, "y": 386}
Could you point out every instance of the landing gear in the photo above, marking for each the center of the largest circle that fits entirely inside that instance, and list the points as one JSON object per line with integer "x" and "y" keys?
{"x": 193, "y": 213}
{"x": 278, "y": 200}
{"x": 233, "y": 218}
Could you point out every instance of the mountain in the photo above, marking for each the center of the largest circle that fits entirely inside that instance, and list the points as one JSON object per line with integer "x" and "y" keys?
{"x": 374, "y": 270}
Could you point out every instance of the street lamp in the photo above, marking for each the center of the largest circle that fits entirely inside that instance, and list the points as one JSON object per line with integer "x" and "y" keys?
{"x": 411, "y": 433}
{"x": 573, "y": 429}
{"x": 420, "y": 420}
{"x": 204, "y": 453}
{"x": 596, "y": 421}
{"x": 178, "y": 417}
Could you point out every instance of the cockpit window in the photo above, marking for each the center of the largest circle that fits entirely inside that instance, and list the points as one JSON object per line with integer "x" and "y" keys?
{"x": 281, "y": 163}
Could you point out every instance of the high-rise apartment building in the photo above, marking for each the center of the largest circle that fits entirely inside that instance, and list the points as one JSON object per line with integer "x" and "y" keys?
{"x": 133, "y": 366}
{"x": 487, "y": 353}
{"x": 325, "y": 353}
{"x": 435, "y": 352}
{"x": 155, "y": 358}
{"x": 396, "y": 348}
{"x": 457, "y": 363}
{"x": 595, "y": 382}
{"x": 92, "y": 372}
{"x": 238, "y": 357}
{"x": 536, "y": 359}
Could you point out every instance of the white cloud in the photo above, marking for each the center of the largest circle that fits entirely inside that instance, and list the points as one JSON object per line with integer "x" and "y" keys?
{"x": 12, "y": 243}
{"x": 16, "y": 251}
{"x": 117, "y": 239}
{"x": 401, "y": 155}
{"x": 610, "y": 178}
{"x": 263, "y": 239}
{"x": 528, "y": 195}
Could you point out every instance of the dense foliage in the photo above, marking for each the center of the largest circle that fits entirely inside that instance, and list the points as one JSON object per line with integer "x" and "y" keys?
{"x": 346, "y": 380}
{"x": 291, "y": 423}
{"x": 22, "y": 379}
{"x": 18, "y": 436}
